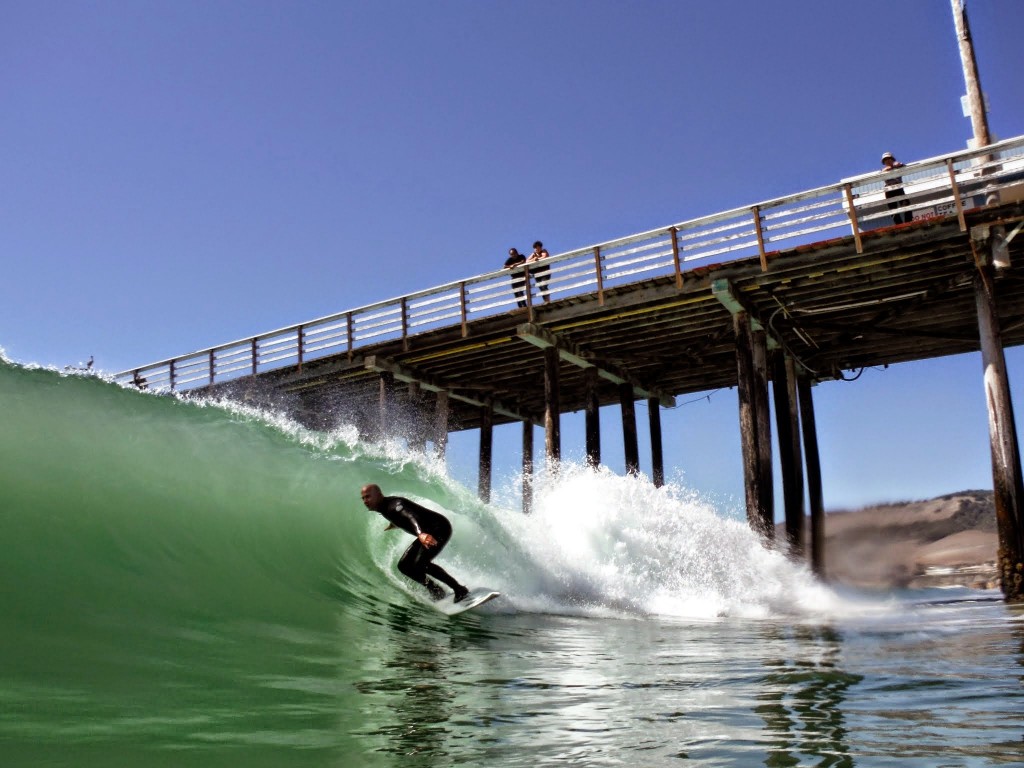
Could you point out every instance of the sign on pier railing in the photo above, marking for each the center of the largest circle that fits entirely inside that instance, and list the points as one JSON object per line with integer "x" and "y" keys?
{"x": 939, "y": 187}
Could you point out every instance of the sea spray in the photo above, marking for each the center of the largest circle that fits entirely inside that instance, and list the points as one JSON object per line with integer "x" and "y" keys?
{"x": 600, "y": 542}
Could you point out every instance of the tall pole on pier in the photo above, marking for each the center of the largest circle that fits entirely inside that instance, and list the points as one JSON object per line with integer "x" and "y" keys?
{"x": 975, "y": 99}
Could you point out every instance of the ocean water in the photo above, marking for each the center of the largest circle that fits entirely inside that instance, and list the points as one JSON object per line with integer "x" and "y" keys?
{"x": 199, "y": 585}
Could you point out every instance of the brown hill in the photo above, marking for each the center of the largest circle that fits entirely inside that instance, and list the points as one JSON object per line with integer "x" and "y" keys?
{"x": 945, "y": 541}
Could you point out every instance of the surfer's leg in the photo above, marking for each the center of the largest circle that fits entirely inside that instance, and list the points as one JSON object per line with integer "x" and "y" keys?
{"x": 446, "y": 578}
{"x": 414, "y": 565}
{"x": 436, "y": 571}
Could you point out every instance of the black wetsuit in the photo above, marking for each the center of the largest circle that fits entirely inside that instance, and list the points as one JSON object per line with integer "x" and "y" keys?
{"x": 416, "y": 562}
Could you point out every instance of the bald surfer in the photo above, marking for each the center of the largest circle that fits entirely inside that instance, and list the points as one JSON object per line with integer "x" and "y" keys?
{"x": 432, "y": 531}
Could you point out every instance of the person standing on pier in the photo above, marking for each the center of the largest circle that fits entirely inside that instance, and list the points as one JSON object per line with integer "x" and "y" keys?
{"x": 894, "y": 188}
{"x": 515, "y": 259}
{"x": 540, "y": 274}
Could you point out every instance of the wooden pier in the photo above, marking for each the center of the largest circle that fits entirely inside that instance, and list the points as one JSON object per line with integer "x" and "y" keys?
{"x": 769, "y": 298}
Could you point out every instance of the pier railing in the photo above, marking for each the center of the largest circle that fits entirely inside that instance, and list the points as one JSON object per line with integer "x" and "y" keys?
{"x": 945, "y": 186}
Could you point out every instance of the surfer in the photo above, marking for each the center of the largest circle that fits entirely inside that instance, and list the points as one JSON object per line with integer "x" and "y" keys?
{"x": 432, "y": 531}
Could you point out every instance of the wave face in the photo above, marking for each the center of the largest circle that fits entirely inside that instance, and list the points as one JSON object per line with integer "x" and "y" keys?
{"x": 159, "y": 550}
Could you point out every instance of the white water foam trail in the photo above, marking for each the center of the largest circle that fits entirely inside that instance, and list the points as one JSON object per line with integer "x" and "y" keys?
{"x": 601, "y": 544}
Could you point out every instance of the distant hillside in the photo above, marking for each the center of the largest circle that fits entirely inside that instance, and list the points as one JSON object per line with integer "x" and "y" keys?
{"x": 948, "y": 540}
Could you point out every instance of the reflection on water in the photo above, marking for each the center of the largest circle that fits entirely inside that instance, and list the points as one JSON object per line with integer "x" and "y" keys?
{"x": 411, "y": 689}
{"x": 803, "y": 697}
{"x": 929, "y": 688}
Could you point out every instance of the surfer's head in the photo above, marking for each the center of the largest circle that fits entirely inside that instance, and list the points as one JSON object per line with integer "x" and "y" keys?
{"x": 372, "y": 496}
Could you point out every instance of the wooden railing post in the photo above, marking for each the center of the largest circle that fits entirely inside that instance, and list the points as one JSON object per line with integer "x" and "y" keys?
{"x": 462, "y": 308}
{"x": 956, "y": 195}
{"x": 529, "y": 294}
{"x": 600, "y": 275}
{"x": 213, "y": 365}
{"x": 852, "y": 213}
{"x": 349, "y": 332}
{"x": 170, "y": 373}
{"x": 756, "y": 210}
{"x": 254, "y": 357}
{"x": 405, "y": 325}
{"x": 675, "y": 258}
{"x": 301, "y": 340}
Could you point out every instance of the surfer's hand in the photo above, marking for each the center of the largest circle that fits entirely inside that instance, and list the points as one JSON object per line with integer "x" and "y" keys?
{"x": 427, "y": 540}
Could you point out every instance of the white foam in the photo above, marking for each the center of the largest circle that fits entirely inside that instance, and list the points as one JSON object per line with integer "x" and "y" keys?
{"x": 599, "y": 543}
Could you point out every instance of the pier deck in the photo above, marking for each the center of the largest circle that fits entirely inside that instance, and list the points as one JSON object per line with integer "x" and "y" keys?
{"x": 827, "y": 273}
{"x": 908, "y": 296}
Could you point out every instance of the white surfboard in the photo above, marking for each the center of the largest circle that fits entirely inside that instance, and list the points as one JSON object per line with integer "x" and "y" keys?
{"x": 476, "y": 597}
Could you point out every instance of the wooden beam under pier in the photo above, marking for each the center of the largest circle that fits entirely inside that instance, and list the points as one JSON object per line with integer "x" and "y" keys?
{"x": 402, "y": 373}
{"x": 572, "y": 353}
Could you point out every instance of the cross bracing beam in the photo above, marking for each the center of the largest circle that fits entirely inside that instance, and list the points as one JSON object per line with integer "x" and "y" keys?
{"x": 572, "y": 353}
{"x": 726, "y": 294}
{"x": 428, "y": 383}
{"x": 724, "y": 291}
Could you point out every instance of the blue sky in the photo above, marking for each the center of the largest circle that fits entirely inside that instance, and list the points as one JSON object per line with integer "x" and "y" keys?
{"x": 180, "y": 174}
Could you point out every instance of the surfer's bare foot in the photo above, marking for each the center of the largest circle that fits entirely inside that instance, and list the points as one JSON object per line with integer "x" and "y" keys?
{"x": 460, "y": 594}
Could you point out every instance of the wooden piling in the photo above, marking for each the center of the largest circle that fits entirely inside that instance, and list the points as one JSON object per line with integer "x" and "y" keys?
{"x": 486, "y": 450}
{"x": 440, "y": 431}
{"x": 746, "y": 386}
{"x": 552, "y": 410}
{"x": 385, "y": 404}
{"x": 417, "y": 432}
{"x": 809, "y": 431}
{"x": 762, "y": 413}
{"x": 1007, "y": 486}
{"x": 657, "y": 454}
{"x": 593, "y": 418}
{"x": 527, "y": 467}
{"x": 630, "y": 444}
{"x": 787, "y": 421}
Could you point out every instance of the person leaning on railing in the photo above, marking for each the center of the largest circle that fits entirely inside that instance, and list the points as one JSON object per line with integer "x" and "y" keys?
{"x": 894, "y": 188}
{"x": 515, "y": 259}
{"x": 541, "y": 274}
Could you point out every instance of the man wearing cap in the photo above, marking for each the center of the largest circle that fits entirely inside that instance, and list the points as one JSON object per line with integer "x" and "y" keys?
{"x": 894, "y": 188}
